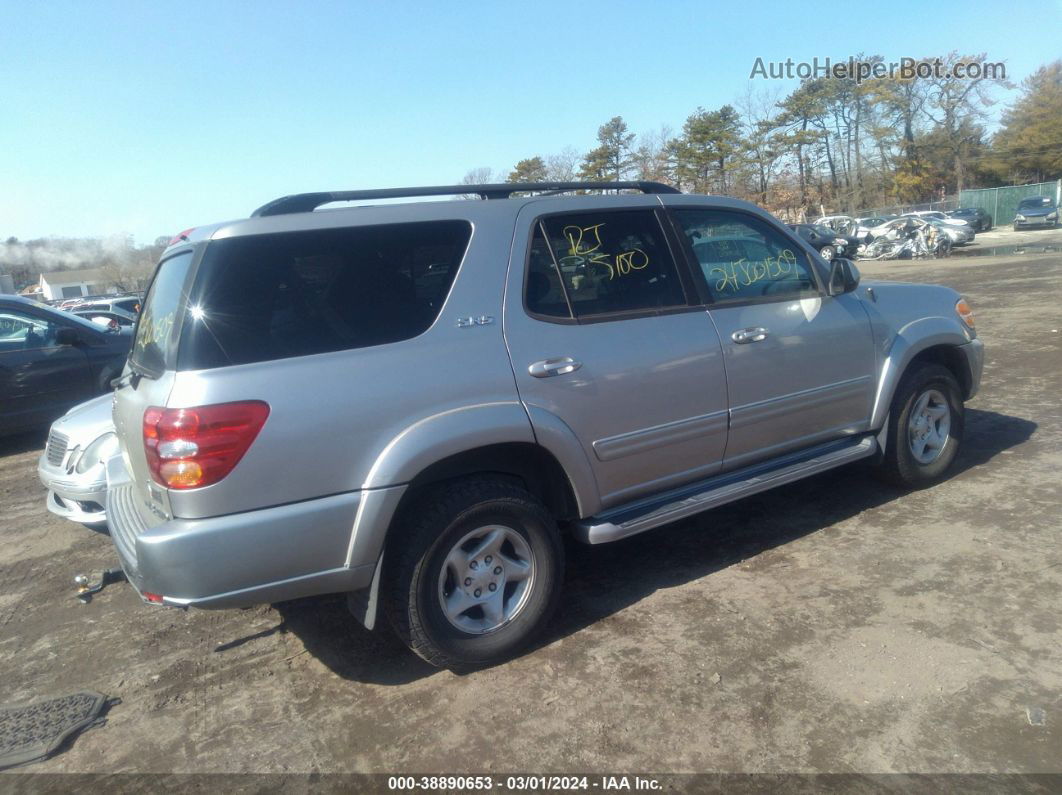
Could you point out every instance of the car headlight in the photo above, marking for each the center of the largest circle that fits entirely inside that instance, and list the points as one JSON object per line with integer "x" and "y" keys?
{"x": 964, "y": 312}
{"x": 1053, "y": 216}
{"x": 101, "y": 449}
{"x": 1019, "y": 217}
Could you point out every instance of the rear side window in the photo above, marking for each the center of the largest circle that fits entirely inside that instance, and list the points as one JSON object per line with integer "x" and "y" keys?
{"x": 300, "y": 293}
{"x": 601, "y": 263}
{"x": 153, "y": 347}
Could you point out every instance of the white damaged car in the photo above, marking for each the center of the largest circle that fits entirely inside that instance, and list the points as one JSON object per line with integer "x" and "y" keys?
{"x": 72, "y": 465}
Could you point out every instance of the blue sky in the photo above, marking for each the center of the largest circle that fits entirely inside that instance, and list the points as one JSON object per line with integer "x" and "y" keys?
{"x": 146, "y": 118}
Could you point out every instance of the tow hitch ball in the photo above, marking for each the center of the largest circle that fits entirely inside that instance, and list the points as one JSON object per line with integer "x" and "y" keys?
{"x": 86, "y": 590}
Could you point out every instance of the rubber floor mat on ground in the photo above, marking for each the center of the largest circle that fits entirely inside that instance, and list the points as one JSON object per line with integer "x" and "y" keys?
{"x": 34, "y": 731}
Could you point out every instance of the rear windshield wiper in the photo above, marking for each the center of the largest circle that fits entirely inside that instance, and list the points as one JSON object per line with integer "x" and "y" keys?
{"x": 132, "y": 378}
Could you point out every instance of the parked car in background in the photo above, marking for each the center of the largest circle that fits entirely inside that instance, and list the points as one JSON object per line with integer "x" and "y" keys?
{"x": 935, "y": 215}
{"x": 844, "y": 225}
{"x": 849, "y": 245}
{"x": 113, "y": 318}
{"x": 980, "y": 220}
{"x": 72, "y": 466}
{"x": 871, "y": 221}
{"x": 827, "y": 242}
{"x": 130, "y": 304}
{"x": 958, "y": 235}
{"x": 1036, "y": 211}
{"x": 911, "y": 235}
{"x": 51, "y": 361}
{"x": 410, "y": 403}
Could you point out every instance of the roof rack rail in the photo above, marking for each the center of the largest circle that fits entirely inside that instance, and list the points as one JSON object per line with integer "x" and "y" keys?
{"x": 307, "y": 202}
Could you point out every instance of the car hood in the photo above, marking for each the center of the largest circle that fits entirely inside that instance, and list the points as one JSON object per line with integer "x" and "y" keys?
{"x": 86, "y": 421}
{"x": 1036, "y": 212}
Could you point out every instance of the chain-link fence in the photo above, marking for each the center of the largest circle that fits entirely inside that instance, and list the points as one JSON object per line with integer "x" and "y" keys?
{"x": 1002, "y": 203}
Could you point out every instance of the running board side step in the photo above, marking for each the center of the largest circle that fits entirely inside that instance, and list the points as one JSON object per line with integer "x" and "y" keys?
{"x": 645, "y": 514}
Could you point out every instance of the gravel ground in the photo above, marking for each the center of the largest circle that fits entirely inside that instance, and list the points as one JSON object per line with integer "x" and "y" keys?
{"x": 834, "y": 624}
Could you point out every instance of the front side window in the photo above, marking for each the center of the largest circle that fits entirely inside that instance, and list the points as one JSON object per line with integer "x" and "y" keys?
{"x": 744, "y": 259}
{"x": 22, "y": 332}
{"x": 600, "y": 263}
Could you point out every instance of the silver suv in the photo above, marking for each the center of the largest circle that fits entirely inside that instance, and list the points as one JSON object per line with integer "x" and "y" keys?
{"x": 413, "y": 403}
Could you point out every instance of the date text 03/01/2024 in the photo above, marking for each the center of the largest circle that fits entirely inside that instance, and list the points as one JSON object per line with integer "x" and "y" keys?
{"x": 522, "y": 783}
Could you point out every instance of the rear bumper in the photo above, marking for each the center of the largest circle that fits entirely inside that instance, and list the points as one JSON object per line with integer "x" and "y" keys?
{"x": 974, "y": 353}
{"x": 268, "y": 555}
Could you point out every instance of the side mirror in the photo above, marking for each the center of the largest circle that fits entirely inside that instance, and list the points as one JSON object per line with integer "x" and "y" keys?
{"x": 844, "y": 276}
{"x": 67, "y": 336}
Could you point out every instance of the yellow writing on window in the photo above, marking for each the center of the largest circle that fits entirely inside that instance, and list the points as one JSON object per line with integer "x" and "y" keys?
{"x": 154, "y": 331}
{"x": 584, "y": 244}
{"x": 742, "y": 273}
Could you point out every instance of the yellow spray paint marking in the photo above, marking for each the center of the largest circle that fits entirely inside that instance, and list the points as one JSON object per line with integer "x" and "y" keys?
{"x": 741, "y": 273}
{"x": 584, "y": 243}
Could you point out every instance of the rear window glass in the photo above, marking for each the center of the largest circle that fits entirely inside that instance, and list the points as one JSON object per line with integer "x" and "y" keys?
{"x": 300, "y": 293}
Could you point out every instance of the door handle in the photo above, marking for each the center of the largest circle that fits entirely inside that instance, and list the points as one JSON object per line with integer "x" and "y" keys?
{"x": 550, "y": 367}
{"x": 747, "y": 335}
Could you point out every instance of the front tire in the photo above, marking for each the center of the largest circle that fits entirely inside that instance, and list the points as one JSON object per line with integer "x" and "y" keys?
{"x": 925, "y": 427}
{"x": 827, "y": 253}
{"x": 474, "y": 573}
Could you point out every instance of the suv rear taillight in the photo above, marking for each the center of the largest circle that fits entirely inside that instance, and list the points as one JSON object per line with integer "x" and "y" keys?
{"x": 198, "y": 446}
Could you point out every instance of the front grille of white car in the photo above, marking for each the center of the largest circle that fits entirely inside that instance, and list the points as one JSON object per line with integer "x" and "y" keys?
{"x": 56, "y": 449}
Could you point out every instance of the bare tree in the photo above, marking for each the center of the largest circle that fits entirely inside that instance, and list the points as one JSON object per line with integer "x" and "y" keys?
{"x": 652, "y": 155}
{"x": 484, "y": 175}
{"x": 956, "y": 105}
{"x": 562, "y": 166}
{"x": 758, "y": 110}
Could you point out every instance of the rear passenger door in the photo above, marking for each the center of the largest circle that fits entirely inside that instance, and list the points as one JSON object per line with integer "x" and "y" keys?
{"x": 605, "y": 338}
{"x": 799, "y": 363}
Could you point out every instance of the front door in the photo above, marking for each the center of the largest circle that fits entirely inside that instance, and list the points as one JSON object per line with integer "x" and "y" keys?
{"x": 604, "y": 338}
{"x": 799, "y": 363}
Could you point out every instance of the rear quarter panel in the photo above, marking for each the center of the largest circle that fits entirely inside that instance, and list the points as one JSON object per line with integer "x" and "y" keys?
{"x": 372, "y": 417}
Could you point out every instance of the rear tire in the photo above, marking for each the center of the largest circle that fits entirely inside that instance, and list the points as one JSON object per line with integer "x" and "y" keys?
{"x": 475, "y": 573}
{"x": 925, "y": 427}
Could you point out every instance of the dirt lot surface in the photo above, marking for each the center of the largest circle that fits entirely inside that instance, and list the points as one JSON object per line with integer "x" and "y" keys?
{"x": 832, "y": 625}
